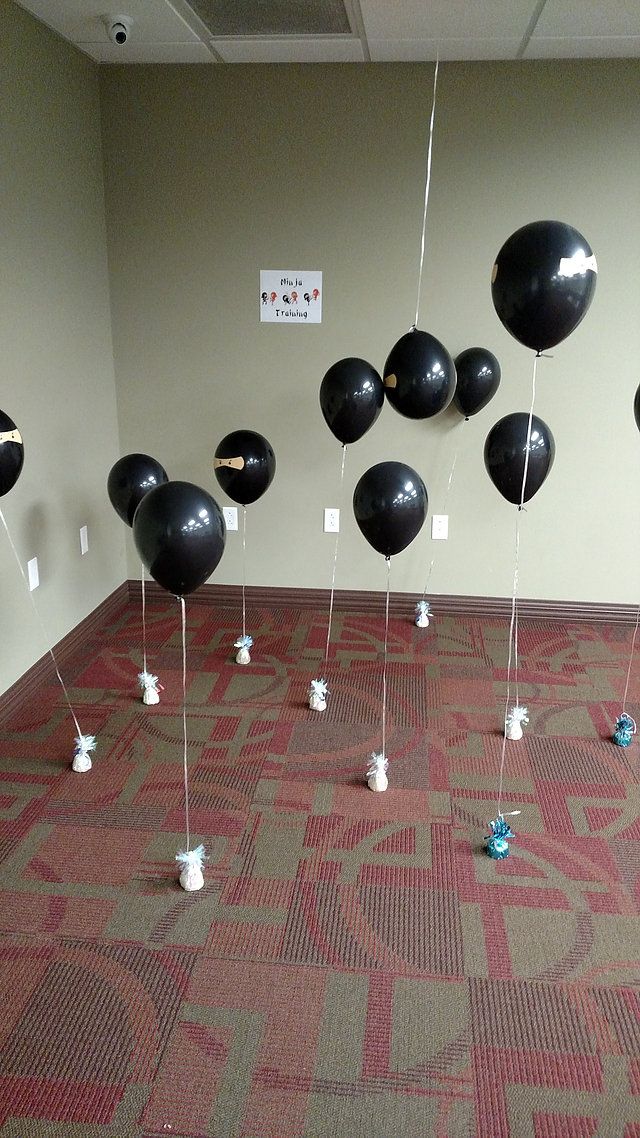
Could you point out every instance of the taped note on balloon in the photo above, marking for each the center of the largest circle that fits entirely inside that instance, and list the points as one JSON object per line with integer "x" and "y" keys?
{"x": 577, "y": 265}
{"x": 290, "y": 296}
{"x": 234, "y": 463}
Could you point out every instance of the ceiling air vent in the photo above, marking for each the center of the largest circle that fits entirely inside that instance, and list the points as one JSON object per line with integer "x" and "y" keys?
{"x": 273, "y": 17}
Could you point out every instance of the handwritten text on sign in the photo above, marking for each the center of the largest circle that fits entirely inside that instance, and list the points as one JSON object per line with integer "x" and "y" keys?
{"x": 290, "y": 296}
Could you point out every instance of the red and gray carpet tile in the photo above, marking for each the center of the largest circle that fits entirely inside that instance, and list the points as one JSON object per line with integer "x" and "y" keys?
{"x": 355, "y": 966}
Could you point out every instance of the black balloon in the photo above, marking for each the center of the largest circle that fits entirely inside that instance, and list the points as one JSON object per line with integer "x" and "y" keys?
{"x": 11, "y": 454}
{"x": 351, "y": 398}
{"x": 505, "y": 453}
{"x": 244, "y": 465}
{"x": 543, "y": 282}
{"x": 390, "y": 505}
{"x": 636, "y": 408}
{"x": 179, "y": 533}
{"x": 419, "y": 375}
{"x": 477, "y": 380}
{"x": 130, "y": 478}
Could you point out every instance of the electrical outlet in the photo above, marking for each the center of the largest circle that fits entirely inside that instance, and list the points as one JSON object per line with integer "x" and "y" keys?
{"x": 84, "y": 540}
{"x": 32, "y": 570}
{"x": 230, "y": 516}
{"x": 331, "y": 520}
{"x": 440, "y": 527}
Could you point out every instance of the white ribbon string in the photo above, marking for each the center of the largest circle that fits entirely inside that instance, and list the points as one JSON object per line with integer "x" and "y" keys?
{"x": 45, "y": 635}
{"x": 515, "y": 630}
{"x": 384, "y": 664}
{"x": 144, "y": 624}
{"x": 444, "y": 511}
{"x": 335, "y": 558}
{"x": 184, "y": 719}
{"x": 633, "y": 644}
{"x": 528, "y": 446}
{"x": 512, "y": 640}
{"x": 513, "y": 627}
{"x": 244, "y": 570}
{"x": 426, "y": 189}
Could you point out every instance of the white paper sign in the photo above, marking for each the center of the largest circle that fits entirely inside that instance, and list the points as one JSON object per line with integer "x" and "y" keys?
{"x": 290, "y": 296}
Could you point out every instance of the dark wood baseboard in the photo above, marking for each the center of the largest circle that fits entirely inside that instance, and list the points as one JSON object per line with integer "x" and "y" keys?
{"x": 400, "y": 604}
{"x": 25, "y": 688}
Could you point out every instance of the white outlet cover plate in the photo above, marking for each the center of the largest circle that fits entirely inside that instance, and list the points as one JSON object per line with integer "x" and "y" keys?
{"x": 230, "y": 514}
{"x": 84, "y": 540}
{"x": 32, "y": 570}
{"x": 440, "y": 527}
{"x": 331, "y": 520}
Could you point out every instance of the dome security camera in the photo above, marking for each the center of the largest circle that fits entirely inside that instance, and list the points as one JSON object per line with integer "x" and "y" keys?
{"x": 119, "y": 28}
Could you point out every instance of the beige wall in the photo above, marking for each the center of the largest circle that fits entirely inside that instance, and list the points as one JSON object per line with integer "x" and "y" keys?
{"x": 213, "y": 173}
{"x": 57, "y": 362}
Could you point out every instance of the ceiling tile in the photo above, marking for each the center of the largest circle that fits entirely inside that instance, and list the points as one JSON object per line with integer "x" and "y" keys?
{"x": 414, "y": 51}
{"x": 610, "y": 47}
{"x": 148, "y": 52}
{"x": 83, "y": 21}
{"x": 446, "y": 19}
{"x": 586, "y": 19}
{"x": 338, "y": 50}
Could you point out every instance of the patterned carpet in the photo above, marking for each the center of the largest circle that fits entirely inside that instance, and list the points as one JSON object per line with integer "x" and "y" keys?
{"x": 356, "y": 966}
